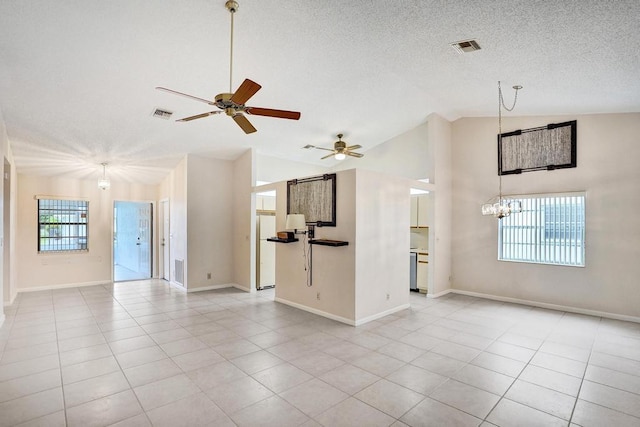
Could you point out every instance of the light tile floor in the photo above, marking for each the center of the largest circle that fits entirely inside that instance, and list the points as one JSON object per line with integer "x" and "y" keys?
{"x": 143, "y": 353}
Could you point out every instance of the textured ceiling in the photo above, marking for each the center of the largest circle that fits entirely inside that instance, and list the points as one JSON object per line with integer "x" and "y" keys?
{"x": 77, "y": 77}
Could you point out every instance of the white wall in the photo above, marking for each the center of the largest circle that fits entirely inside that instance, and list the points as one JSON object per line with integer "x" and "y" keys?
{"x": 405, "y": 155}
{"x": 333, "y": 267}
{"x": 37, "y": 271}
{"x": 274, "y": 169}
{"x": 353, "y": 281}
{"x": 8, "y": 291}
{"x": 608, "y": 150}
{"x": 382, "y": 243}
{"x": 209, "y": 221}
{"x": 440, "y": 242}
{"x": 244, "y": 226}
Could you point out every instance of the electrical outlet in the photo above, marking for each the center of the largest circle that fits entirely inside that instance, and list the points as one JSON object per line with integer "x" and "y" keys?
{"x": 318, "y": 296}
{"x": 208, "y": 276}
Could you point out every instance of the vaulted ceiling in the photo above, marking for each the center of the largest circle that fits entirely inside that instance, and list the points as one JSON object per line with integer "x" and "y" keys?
{"x": 77, "y": 77}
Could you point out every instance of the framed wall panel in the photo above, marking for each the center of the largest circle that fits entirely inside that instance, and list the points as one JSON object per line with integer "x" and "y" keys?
{"x": 315, "y": 198}
{"x": 544, "y": 148}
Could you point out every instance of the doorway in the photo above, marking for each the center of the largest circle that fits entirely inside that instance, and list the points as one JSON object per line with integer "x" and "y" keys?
{"x": 265, "y": 250}
{"x": 164, "y": 263}
{"x": 132, "y": 240}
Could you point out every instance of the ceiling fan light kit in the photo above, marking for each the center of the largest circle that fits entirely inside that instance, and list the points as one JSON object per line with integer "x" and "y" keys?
{"x": 233, "y": 103}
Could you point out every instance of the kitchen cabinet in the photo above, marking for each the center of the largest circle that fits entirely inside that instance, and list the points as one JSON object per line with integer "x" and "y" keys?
{"x": 419, "y": 211}
{"x": 265, "y": 203}
{"x": 422, "y": 272}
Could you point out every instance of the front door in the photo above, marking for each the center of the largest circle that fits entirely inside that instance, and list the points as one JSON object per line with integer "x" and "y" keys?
{"x": 131, "y": 241}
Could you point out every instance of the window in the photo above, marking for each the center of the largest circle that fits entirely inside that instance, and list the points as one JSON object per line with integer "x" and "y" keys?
{"x": 62, "y": 225}
{"x": 549, "y": 230}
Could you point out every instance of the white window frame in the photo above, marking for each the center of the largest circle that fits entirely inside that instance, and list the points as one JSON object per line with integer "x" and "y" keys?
{"x": 549, "y": 230}
{"x": 69, "y": 217}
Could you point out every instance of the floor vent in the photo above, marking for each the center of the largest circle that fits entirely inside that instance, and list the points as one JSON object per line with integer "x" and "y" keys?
{"x": 466, "y": 46}
{"x": 179, "y": 271}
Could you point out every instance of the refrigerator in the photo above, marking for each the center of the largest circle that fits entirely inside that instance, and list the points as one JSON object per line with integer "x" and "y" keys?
{"x": 266, "y": 256}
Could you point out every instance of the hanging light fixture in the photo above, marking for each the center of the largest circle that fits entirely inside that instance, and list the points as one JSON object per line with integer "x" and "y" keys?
{"x": 498, "y": 206}
{"x": 104, "y": 183}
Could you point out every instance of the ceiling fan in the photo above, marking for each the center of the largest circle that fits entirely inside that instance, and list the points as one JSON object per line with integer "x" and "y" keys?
{"x": 340, "y": 149}
{"x": 233, "y": 103}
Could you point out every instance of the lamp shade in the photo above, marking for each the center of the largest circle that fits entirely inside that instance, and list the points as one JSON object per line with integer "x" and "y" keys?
{"x": 295, "y": 222}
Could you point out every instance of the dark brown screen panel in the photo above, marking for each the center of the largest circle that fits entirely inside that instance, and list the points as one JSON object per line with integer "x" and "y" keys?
{"x": 315, "y": 198}
{"x": 544, "y": 148}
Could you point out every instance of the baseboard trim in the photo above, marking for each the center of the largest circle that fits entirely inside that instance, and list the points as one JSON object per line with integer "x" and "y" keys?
{"x": 210, "y": 288}
{"x": 10, "y": 303}
{"x": 64, "y": 286}
{"x": 243, "y": 288}
{"x": 549, "y": 306}
{"x": 439, "y": 294}
{"x": 316, "y": 311}
{"x": 2, "y": 317}
{"x": 382, "y": 314}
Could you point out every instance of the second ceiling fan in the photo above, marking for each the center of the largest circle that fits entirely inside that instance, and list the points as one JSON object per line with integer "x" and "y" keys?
{"x": 340, "y": 149}
{"x": 233, "y": 103}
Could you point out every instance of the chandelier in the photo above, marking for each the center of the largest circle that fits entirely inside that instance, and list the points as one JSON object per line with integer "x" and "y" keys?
{"x": 104, "y": 183}
{"x": 498, "y": 206}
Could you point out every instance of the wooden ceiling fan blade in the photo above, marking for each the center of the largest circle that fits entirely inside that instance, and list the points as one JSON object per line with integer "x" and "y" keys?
{"x": 198, "y": 116}
{"x": 247, "y": 89}
{"x": 354, "y": 147}
{"x": 352, "y": 154}
{"x": 244, "y": 123}
{"x": 327, "y": 149}
{"x": 328, "y": 155}
{"x": 269, "y": 112}
{"x": 175, "y": 92}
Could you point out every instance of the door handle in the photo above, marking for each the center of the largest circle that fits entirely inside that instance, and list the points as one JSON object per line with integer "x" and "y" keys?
{"x": 138, "y": 244}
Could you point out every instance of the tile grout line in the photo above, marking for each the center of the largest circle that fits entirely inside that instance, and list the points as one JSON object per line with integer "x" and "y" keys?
{"x": 584, "y": 374}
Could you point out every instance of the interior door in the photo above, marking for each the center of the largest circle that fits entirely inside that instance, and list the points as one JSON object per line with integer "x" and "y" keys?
{"x": 132, "y": 238}
{"x": 164, "y": 244}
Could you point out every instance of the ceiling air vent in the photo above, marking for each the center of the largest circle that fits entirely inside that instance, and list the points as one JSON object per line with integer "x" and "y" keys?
{"x": 162, "y": 114}
{"x": 466, "y": 46}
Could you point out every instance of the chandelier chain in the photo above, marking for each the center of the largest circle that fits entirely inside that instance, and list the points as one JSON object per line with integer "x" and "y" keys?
{"x": 500, "y": 107}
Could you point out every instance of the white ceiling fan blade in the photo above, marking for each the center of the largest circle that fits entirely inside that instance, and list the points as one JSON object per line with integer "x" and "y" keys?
{"x": 175, "y": 92}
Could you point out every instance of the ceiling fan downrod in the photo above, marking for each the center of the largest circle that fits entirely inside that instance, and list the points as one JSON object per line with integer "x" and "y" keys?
{"x": 232, "y": 7}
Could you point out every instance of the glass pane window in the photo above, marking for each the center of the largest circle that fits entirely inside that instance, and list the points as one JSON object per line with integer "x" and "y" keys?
{"x": 62, "y": 225}
{"x": 549, "y": 230}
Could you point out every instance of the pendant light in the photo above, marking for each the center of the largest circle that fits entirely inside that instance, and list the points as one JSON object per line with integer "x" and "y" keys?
{"x": 104, "y": 183}
{"x": 498, "y": 206}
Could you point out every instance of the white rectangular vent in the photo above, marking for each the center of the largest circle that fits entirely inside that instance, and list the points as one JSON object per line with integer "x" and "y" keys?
{"x": 179, "y": 271}
{"x": 466, "y": 46}
{"x": 162, "y": 114}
